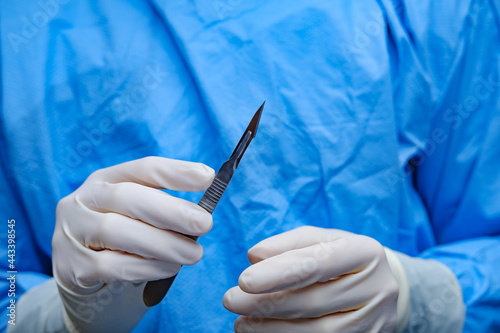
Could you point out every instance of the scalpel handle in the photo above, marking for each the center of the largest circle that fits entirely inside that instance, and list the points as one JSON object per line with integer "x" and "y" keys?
{"x": 212, "y": 195}
{"x": 155, "y": 290}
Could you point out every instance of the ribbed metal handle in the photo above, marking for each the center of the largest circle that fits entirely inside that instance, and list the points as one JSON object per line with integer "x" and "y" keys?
{"x": 212, "y": 195}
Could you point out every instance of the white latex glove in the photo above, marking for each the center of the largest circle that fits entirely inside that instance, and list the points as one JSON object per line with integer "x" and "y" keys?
{"x": 316, "y": 280}
{"x": 118, "y": 231}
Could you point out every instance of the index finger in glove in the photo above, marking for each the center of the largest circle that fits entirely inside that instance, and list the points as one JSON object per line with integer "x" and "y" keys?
{"x": 160, "y": 172}
{"x": 148, "y": 205}
{"x": 299, "y": 268}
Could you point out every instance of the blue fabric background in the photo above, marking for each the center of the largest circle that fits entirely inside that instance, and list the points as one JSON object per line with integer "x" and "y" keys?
{"x": 382, "y": 118}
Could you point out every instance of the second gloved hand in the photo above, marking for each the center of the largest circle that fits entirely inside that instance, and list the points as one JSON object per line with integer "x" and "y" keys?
{"x": 316, "y": 280}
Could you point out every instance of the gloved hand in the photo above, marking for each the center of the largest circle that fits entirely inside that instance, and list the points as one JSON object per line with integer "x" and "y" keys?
{"x": 316, "y": 280}
{"x": 118, "y": 231}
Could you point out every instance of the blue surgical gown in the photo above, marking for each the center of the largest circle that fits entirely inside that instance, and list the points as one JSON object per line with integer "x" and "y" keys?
{"x": 382, "y": 118}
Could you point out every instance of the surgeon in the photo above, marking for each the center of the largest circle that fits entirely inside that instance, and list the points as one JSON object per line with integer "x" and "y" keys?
{"x": 368, "y": 201}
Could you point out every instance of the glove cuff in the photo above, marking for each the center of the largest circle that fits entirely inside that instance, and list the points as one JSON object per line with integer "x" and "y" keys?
{"x": 399, "y": 273}
{"x": 435, "y": 297}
